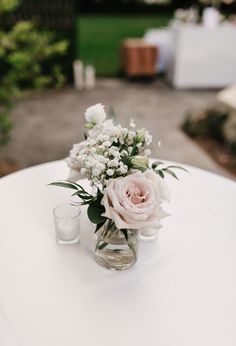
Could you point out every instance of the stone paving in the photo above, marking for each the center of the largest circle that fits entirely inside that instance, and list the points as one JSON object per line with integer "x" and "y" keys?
{"x": 47, "y": 124}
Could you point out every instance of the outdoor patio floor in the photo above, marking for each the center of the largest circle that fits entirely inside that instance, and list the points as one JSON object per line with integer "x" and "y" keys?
{"x": 47, "y": 124}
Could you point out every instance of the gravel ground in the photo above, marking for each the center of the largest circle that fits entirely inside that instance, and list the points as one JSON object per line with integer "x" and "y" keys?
{"x": 47, "y": 124}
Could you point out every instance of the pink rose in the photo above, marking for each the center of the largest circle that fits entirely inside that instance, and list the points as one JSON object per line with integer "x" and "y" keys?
{"x": 133, "y": 202}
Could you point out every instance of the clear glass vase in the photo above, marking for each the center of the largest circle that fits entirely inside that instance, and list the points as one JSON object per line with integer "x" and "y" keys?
{"x": 116, "y": 249}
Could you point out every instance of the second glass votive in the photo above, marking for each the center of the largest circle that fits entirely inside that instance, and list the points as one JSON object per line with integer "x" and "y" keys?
{"x": 149, "y": 233}
{"x": 67, "y": 223}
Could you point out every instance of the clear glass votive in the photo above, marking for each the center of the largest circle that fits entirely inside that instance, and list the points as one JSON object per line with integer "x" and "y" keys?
{"x": 67, "y": 223}
{"x": 149, "y": 233}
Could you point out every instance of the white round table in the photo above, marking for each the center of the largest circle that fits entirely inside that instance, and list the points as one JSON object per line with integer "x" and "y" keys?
{"x": 181, "y": 292}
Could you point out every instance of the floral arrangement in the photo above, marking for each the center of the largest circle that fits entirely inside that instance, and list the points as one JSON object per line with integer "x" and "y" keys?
{"x": 127, "y": 188}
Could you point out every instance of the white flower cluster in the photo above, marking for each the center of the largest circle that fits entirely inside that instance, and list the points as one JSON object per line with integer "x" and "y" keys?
{"x": 109, "y": 149}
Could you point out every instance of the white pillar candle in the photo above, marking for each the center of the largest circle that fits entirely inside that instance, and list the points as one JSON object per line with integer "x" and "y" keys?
{"x": 78, "y": 69}
{"x": 89, "y": 77}
{"x": 211, "y": 17}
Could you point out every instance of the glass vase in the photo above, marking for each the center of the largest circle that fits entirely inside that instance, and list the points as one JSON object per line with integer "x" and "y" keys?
{"x": 116, "y": 249}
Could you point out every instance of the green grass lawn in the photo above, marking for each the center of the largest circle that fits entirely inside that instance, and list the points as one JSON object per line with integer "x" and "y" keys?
{"x": 98, "y": 38}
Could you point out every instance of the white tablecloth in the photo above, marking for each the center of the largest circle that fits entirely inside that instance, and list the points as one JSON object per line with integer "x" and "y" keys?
{"x": 181, "y": 292}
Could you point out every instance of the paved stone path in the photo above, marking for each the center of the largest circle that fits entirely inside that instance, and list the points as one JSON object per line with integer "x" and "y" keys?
{"x": 47, "y": 124}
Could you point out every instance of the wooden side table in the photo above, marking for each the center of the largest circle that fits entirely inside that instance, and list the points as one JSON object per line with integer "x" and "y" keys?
{"x": 138, "y": 58}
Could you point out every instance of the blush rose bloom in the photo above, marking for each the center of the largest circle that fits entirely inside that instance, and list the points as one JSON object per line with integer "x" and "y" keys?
{"x": 133, "y": 202}
{"x": 160, "y": 185}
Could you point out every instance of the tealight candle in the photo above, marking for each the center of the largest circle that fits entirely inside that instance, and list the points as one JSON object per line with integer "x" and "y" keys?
{"x": 67, "y": 223}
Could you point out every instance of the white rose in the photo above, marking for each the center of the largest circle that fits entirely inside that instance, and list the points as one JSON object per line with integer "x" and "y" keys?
{"x": 133, "y": 202}
{"x": 95, "y": 114}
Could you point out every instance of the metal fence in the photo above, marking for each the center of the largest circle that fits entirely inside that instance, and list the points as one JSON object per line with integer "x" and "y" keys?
{"x": 48, "y": 14}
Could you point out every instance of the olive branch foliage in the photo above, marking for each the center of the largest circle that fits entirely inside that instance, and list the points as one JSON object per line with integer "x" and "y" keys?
{"x": 166, "y": 170}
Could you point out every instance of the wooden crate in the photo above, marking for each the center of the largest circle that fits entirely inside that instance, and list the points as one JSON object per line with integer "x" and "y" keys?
{"x": 139, "y": 59}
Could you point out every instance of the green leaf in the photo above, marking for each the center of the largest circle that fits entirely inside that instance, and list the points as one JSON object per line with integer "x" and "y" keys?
{"x": 99, "y": 225}
{"x": 125, "y": 232}
{"x": 83, "y": 194}
{"x": 126, "y": 161}
{"x": 156, "y": 164}
{"x": 167, "y": 170}
{"x": 99, "y": 194}
{"x": 134, "y": 150}
{"x": 65, "y": 183}
{"x": 160, "y": 172}
{"x": 131, "y": 246}
{"x": 179, "y": 167}
{"x": 80, "y": 187}
{"x": 101, "y": 246}
{"x": 95, "y": 212}
{"x": 85, "y": 203}
{"x": 89, "y": 125}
